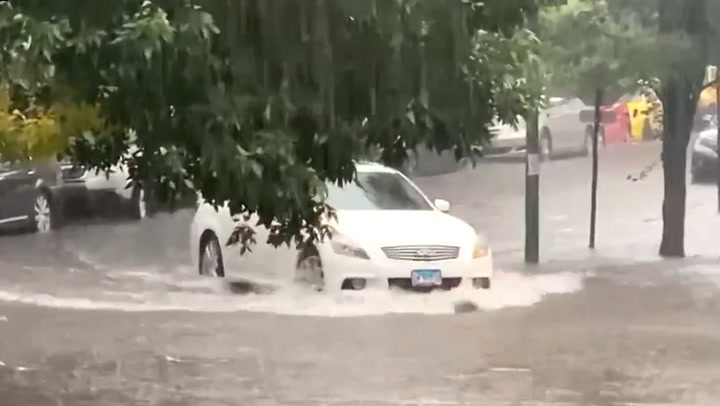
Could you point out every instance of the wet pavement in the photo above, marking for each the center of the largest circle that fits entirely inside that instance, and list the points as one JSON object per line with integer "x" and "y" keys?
{"x": 112, "y": 313}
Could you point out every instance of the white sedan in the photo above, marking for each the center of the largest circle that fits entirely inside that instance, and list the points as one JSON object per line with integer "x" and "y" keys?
{"x": 387, "y": 234}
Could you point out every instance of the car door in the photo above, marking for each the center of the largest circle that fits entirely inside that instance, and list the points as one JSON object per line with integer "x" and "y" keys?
{"x": 5, "y": 172}
{"x": 562, "y": 120}
{"x": 17, "y": 191}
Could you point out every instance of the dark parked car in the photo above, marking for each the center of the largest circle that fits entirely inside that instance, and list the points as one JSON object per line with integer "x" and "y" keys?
{"x": 40, "y": 196}
{"x": 30, "y": 196}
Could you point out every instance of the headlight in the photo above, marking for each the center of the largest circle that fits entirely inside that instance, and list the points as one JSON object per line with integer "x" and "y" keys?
{"x": 481, "y": 247}
{"x": 342, "y": 245}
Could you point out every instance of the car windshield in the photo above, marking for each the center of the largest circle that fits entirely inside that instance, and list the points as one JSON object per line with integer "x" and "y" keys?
{"x": 377, "y": 191}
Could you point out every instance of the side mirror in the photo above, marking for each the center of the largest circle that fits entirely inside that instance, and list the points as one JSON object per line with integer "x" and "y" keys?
{"x": 442, "y": 205}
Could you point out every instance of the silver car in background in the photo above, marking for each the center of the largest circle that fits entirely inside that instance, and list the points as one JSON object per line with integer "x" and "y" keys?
{"x": 561, "y": 131}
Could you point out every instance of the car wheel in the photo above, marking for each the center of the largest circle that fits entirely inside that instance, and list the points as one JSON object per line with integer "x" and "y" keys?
{"x": 43, "y": 214}
{"x": 309, "y": 269}
{"x": 545, "y": 147}
{"x": 211, "y": 260}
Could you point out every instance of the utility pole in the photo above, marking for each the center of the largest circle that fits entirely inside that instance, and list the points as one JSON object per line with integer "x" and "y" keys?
{"x": 532, "y": 167}
{"x": 594, "y": 185}
{"x": 532, "y": 190}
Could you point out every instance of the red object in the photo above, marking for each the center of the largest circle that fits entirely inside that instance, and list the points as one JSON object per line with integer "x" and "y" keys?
{"x": 619, "y": 130}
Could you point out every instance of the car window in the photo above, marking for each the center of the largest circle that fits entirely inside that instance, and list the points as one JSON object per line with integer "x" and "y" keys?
{"x": 377, "y": 191}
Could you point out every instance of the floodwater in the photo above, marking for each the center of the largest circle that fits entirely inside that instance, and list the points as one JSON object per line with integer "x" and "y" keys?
{"x": 114, "y": 314}
{"x": 150, "y": 290}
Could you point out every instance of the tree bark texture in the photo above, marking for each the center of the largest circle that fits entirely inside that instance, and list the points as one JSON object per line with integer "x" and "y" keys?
{"x": 677, "y": 124}
{"x": 680, "y": 94}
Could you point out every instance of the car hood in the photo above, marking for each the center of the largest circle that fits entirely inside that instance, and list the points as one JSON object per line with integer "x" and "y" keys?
{"x": 398, "y": 227}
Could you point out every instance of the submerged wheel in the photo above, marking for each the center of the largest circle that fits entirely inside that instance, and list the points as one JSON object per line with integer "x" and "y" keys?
{"x": 211, "y": 260}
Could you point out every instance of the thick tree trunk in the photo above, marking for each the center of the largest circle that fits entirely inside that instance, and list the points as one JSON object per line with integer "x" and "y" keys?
{"x": 679, "y": 96}
{"x": 677, "y": 119}
{"x": 673, "y": 239}
{"x": 674, "y": 167}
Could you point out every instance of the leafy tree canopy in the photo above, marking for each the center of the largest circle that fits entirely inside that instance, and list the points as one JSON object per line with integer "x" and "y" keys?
{"x": 610, "y": 44}
{"x": 258, "y": 103}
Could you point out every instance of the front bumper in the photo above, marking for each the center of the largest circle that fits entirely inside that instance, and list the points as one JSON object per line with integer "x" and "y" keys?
{"x": 385, "y": 274}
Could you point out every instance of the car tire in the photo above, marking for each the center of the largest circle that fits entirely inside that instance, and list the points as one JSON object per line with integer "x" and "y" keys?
{"x": 210, "y": 262}
{"x": 309, "y": 270}
{"x": 43, "y": 218}
{"x": 545, "y": 145}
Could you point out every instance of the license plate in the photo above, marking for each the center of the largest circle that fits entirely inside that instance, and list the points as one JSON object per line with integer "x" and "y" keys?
{"x": 426, "y": 277}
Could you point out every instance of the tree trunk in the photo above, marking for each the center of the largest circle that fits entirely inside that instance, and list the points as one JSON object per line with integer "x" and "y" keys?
{"x": 673, "y": 238}
{"x": 679, "y": 96}
{"x": 677, "y": 123}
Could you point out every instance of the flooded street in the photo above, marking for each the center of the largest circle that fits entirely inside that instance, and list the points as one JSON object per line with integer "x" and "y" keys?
{"x": 114, "y": 314}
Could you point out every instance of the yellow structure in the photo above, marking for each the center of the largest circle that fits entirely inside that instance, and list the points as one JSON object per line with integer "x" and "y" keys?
{"x": 707, "y": 97}
{"x": 638, "y": 111}
{"x": 646, "y": 115}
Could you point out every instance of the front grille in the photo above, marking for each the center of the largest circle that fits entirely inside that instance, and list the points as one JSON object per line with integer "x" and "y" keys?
{"x": 406, "y": 284}
{"x": 421, "y": 252}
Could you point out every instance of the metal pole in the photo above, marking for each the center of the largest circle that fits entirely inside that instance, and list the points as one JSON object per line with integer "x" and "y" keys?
{"x": 532, "y": 191}
{"x": 717, "y": 142}
{"x": 593, "y": 193}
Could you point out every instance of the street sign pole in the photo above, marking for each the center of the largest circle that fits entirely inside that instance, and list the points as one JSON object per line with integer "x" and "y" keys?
{"x": 594, "y": 185}
{"x": 532, "y": 191}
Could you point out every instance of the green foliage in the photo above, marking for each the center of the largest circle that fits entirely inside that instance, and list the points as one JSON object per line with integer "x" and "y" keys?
{"x": 37, "y": 132}
{"x": 609, "y": 44}
{"x": 258, "y": 103}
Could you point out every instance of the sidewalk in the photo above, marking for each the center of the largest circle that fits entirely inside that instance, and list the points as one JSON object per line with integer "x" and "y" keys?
{"x": 613, "y": 260}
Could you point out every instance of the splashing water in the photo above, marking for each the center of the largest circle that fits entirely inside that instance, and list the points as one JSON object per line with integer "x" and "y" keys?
{"x": 150, "y": 291}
